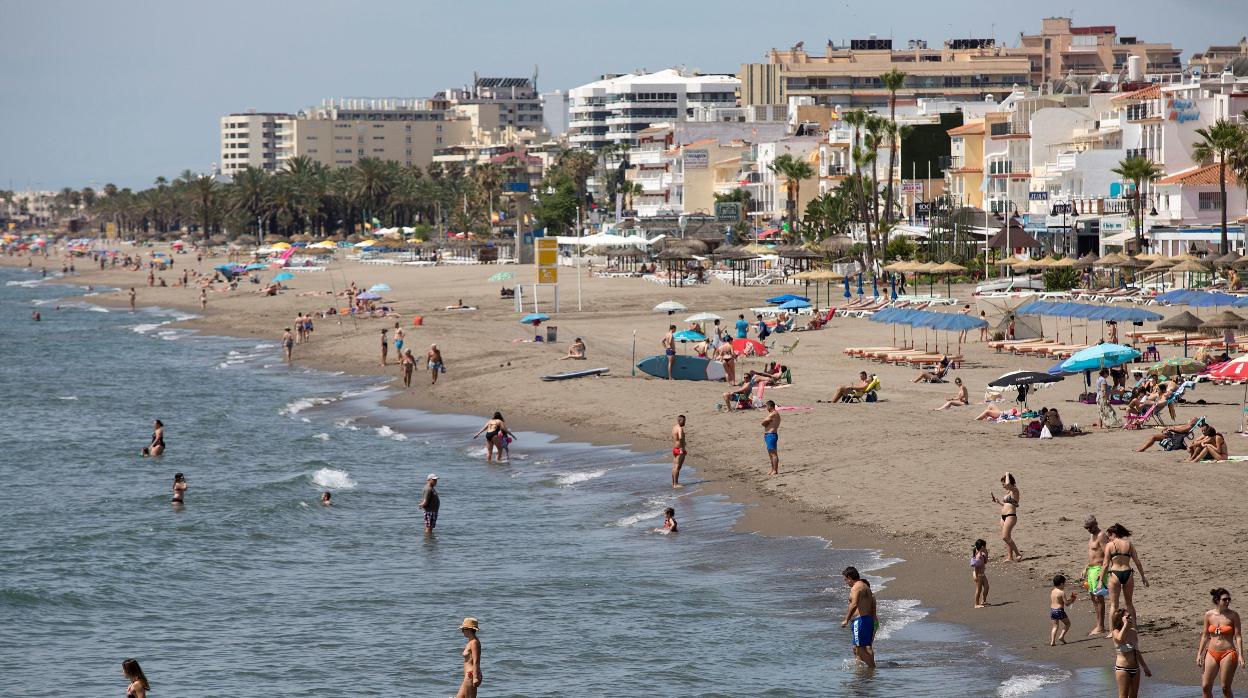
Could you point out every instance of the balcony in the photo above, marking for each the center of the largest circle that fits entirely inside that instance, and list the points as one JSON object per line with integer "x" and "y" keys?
{"x": 646, "y": 157}
{"x": 1008, "y": 130}
{"x": 833, "y": 171}
{"x": 1143, "y": 112}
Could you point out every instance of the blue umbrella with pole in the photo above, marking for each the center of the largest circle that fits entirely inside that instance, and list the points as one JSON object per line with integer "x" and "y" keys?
{"x": 892, "y": 287}
{"x": 847, "y": 293}
{"x": 875, "y": 286}
{"x": 860, "y": 284}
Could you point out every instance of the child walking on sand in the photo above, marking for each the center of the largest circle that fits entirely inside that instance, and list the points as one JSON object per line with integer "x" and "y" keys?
{"x": 979, "y": 572}
{"x": 1058, "y": 601}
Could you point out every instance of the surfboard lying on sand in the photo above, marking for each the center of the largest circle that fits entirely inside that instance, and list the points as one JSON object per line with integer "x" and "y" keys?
{"x": 686, "y": 368}
{"x": 576, "y": 374}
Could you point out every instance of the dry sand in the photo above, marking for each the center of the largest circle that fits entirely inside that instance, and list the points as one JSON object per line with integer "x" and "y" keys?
{"x": 893, "y": 474}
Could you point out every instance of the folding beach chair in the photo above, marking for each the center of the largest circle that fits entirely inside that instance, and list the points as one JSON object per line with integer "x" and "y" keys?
{"x": 789, "y": 349}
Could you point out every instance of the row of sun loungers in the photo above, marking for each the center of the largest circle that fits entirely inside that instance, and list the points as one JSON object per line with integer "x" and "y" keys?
{"x": 899, "y": 355}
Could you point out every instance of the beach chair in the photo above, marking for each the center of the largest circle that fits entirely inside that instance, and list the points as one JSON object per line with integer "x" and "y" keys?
{"x": 871, "y": 393}
{"x": 789, "y": 349}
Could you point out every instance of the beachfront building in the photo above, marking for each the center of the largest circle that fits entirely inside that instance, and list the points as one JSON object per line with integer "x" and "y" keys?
{"x": 849, "y": 76}
{"x": 1215, "y": 59}
{"x": 1062, "y": 49}
{"x": 249, "y": 139}
{"x": 616, "y": 108}
{"x": 518, "y": 104}
{"x": 966, "y": 164}
{"x": 339, "y": 133}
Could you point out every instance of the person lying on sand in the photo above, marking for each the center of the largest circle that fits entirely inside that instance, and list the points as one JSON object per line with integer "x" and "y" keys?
{"x": 994, "y": 413}
{"x": 576, "y": 351}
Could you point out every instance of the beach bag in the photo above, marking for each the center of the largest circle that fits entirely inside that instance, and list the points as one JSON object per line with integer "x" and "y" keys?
{"x": 871, "y": 397}
{"x": 1174, "y": 442}
{"x": 1045, "y": 433}
{"x": 1031, "y": 430}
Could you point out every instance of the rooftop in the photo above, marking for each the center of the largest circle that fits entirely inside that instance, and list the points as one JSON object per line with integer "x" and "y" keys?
{"x": 1196, "y": 176}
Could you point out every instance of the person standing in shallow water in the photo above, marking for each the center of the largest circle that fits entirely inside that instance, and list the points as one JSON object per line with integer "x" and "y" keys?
{"x": 860, "y": 616}
{"x": 288, "y": 345}
{"x": 139, "y": 686}
{"x": 179, "y": 488}
{"x": 472, "y": 659}
{"x": 385, "y": 347}
{"x": 408, "y": 363}
{"x": 678, "y": 450}
{"x": 430, "y": 502}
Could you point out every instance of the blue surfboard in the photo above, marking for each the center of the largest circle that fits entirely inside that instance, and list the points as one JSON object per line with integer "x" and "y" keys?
{"x": 686, "y": 368}
{"x": 576, "y": 374}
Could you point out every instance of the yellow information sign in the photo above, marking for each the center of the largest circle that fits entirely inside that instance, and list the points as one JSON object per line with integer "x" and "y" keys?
{"x": 547, "y": 257}
{"x": 110, "y": 229}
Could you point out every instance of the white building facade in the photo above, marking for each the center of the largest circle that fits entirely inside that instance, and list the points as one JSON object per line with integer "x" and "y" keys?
{"x": 617, "y": 108}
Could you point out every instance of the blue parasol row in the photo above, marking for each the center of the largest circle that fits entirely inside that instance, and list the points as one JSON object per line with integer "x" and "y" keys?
{"x": 1087, "y": 311}
{"x": 926, "y": 318}
{"x": 1201, "y": 299}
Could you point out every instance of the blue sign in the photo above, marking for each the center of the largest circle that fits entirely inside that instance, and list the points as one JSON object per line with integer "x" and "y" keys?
{"x": 1038, "y": 196}
{"x": 517, "y": 187}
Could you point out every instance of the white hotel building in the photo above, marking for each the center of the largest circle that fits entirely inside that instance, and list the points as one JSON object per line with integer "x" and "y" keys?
{"x": 617, "y": 108}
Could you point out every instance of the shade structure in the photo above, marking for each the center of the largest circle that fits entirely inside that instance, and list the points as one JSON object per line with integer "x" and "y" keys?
{"x": 1011, "y": 261}
{"x": 1227, "y": 260}
{"x": 1236, "y": 369}
{"x": 954, "y": 322}
{"x": 689, "y": 336}
{"x": 1190, "y": 266}
{"x": 1132, "y": 263}
{"x": 1063, "y": 263}
{"x": 1225, "y": 320}
{"x": 1241, "y": 264}
{"x": 795, "y": 304}
{"x": 1088, "y": 311}
{"x": 1183, "y": 322}
{"x": 1100, "y": 356}
{"x": 1201, "y": 299}
{"x": 1087, "y": 261}
{"x": 1176, "y": 366}
{"x": 1112, "y": 259}
{"x": 369, "y": 296}
{"x": 785, "y": 298}
{"x": 379, "y": 288}
{"x": 895, "y": 266}
{"x": 1016, "y": 378}
{"x": 534, "y": 317}
{"x": 1159, "y": 265}
{"x": 1043, "y": 263}
{"x": 284, "y": 276}
{"x": 818, "y": 275}
{"x": 757, "y": 249}
{"x": 669, "y": 307}
{"x": 949, "y": 268}
{"x": 703, "y": 317}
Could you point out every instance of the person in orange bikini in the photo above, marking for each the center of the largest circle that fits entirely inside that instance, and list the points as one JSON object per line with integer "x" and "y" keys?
{"x": 1221, "y": 645}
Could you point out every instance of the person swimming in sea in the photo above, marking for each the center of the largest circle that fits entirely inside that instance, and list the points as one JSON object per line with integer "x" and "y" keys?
{"x": 139, "y": 686}
{"x": 669, "y": 521}
{"x": 325, "y": 499}
{"x": 157, "y": 447}
{"x": 179, "y": 487}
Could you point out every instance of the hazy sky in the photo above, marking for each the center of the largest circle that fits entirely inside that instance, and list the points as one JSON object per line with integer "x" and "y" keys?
{"x": 125, "y": 90}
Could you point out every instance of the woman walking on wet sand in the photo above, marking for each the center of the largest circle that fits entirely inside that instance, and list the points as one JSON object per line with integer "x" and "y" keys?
{"x": 1009, "y": 516}
{"x": 472, "y": 659}
{"x": 1118, "y": 576}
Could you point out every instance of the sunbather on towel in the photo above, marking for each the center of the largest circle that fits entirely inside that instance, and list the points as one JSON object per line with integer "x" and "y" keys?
{"x": 771, "y": 376}
{"x": 934, "y": 376}
{"x": 994, "y": 413}
{"x": 855, "y": 390}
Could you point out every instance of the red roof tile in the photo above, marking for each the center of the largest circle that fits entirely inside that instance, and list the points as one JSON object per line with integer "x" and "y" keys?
{"x": 1196, "y": 176}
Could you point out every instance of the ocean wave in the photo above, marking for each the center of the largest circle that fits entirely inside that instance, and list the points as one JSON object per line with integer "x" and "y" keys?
{"x": 265, "y": 346}
{"x": 67, "y": 397}
{"x": 147, "y": 327}
{"x": 389, "y": 433}
{"x": 322, "y": 436}
{"x": 584, "y": 476}
{"x": 654, "y": 510}
{"x": 347, "y": 423}
{"x": 29, "y": 283}
{"x": 335, "y": 479}
{"x": 1029, "y": 683}
{"x": 294, "y": 407}
{"x": 897, "y": 614}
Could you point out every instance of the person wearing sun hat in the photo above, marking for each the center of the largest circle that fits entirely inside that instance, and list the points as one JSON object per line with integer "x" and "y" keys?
{"x": 472, "y": 659}
{"x": 429, "y": 501}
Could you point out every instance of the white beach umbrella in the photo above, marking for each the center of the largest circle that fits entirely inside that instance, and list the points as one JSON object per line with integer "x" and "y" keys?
{"x": 669, "y": 307}
{"x": 703, "y": 317}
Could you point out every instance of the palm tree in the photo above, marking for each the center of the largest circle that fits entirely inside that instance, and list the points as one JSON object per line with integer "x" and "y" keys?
{"x": 578, "y": 165}
{"x": 1217, "y": 142}
{"x": 204, "y": 193}
{"x": 489, "y": 180}
{"x": 249, "y": 194}
{"x": 793, "y": 170}
{"x": 629, "y": 189}
{"x": 893, "y": 81}
{"x": 1138, "y": 170}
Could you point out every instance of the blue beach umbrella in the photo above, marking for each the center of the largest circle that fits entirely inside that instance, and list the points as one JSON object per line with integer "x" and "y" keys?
{"x": 255, "y": 266}
{"x": 689, "y": 336}
{"x": 795, "y": 304}
{"x": 534, "y": 317}
{"x": 786, "y": 298}
{"x": 860, "y": 283}
{"x": 1100, "y": 356}
{"x": 379, "y": 288}
{"x": 284, "y": 276}
{"x": 847, "y": 293}
{"x": 369, "y": 296}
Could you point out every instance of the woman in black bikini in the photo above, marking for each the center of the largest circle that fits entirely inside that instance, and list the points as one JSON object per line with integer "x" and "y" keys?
{"x": 179, "y": 486}
{"x": 495, "y": 431}
{"x": 157, "y": 446}
{"x": 138, "y": 687}
{"x": 1119, "y": 554}
{"x": 1128, "y": 662}
{"x": 1009, "y": 516}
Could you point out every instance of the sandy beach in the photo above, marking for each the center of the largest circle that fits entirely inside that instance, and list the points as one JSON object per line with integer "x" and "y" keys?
{"x": 893, "y": 475}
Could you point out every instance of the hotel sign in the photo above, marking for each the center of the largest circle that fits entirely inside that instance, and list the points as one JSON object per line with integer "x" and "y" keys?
{"x": 1182, "y": 110}
{"x": 547, "y": 259}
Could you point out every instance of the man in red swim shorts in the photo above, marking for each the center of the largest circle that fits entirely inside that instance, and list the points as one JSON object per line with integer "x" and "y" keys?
{"x": 678, "y": 450}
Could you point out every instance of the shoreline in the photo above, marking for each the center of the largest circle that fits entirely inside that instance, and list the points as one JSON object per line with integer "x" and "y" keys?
{"x": 769, "y": 509}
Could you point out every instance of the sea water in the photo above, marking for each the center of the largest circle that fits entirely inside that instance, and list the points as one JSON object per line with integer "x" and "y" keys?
{"x": 253, "y": 588}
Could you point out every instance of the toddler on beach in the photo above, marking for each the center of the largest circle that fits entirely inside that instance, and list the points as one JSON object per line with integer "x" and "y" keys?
{"x": 1058, "y": 601}
{"x": 979, "y": 572}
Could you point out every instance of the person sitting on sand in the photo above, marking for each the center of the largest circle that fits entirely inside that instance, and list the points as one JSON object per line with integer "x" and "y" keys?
{"x": 576, "y": 351}
{"x": 1211, "y": 447}
{"x": 856, "y": 390}
{"x": 1053, "y": 421}
{"x": 771, "y": 374}
{"x": 957, "y": 400}
{"x": 1173, "y": 432}
{"x": 936, "y": 376}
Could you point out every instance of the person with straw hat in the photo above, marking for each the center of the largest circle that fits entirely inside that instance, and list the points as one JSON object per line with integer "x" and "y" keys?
{"x": 472, "y": 659}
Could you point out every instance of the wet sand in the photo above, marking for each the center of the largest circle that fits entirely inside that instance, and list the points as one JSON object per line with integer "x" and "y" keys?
{"x": 892, "y": 475}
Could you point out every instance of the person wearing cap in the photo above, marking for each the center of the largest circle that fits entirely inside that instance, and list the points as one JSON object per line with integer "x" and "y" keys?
{"x": 472, "y": 659}
{"x": 429, "y": 502}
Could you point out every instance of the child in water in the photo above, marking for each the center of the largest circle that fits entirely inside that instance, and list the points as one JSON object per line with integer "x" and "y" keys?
{"x": 1058, "y": 601}
{"x": 669, "y": 520}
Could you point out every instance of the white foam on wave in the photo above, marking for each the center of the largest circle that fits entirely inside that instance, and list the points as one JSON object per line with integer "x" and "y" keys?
{"x": 897, "y": 614}
{"x": 266, "y": 346}
{"x": 68, "y": 397}
{"x": 27, "y": 283}
{"x": 322, "y": 436}
{"x": 389, "y": 433}
{"x": 147, "y": 327}
{"x": 654, "y": 510}
{"x": 294, "y": 407}
{"x": 1027, "y": 684}
{"x": 584, "y": 476}
{"x": 347, "y": 423}
{"x": 335, "y": 479}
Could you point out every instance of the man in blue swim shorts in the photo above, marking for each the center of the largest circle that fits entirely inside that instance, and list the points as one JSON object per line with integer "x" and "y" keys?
{"x": 861, "y": 616}
{"x": 771, "y": 436}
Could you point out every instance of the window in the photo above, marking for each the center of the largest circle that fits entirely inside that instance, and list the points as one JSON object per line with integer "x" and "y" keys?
{"x": 1210, "y": 201}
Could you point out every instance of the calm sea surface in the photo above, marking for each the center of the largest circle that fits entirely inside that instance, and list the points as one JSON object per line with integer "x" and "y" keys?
{"x": 254, "y": 589}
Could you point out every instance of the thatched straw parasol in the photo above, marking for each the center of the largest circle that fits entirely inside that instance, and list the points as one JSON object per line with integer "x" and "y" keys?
{"x": 1227, "y": 260}
{"x": 1190, "y": 266}
{"x": 1088, "y": 261}
{"x": 1223, "y": 321}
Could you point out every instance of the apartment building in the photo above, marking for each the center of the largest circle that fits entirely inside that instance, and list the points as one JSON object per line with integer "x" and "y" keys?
{"x": 249, "y": 139}
{"x": 1215, "y": 59}
{"x": 849, "y": 76}
{"x": 966, "y": 164}
{"x": 617, "y": 108}
{"x": 518, "y": 103}
{"x": 1061, "y": 49}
